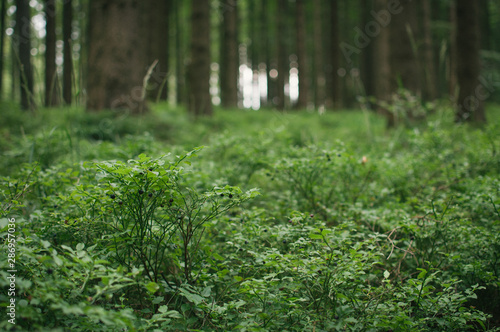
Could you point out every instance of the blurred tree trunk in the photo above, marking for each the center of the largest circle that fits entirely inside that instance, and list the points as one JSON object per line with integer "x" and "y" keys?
{"x": 67, "y": 52}
{"x": 51, "y": 82}
{"x": 382, "y": 67}
{"x": 484, "y": 14}
{"x": 367, "y": 65}
{"x": 470, "y": 106}
{"x": 263, "y": 33}
{"x": 2, "y": 39}
{"x": 252, "y": 33}
{"x": 179, "y": 58}
{"x": 430, "y": 91}
{"x": 302, "y": 55}
{"x": 282, "y": 53}
{"x": 452, "y": 61}
{"x": 14, "y": 71}
{"x": 117, "y": 58}
{"x": 334, "y": 91}
{"x": 157, "y": 17}
{"x": 319, "y": 73}
{"x": 440, "y": 13}
{"x": 269, "y": 54}
{"x": 229, "y": 63}
{"x": 199, "y": 69}
{"x": 404, "y": 61}
{"x": 23, "y": 41}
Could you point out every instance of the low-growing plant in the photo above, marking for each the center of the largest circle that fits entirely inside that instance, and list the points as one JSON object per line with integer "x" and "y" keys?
{"x": 65, "y": 288}
{"x": 153, "y": 219}
{"x": 324, "y": 181}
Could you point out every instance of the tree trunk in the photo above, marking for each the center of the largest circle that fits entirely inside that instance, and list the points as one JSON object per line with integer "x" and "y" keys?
{"x": 470, "y": 106}
{"x": 302, "y": 55}
{"x": 319, "y": 91}
{"x": 282, "y": 54}
{"x": 229, "y": 64}
{"x": 335, "y": 90}
{"x": 484, "y": 14}
{"x": 452, "y": 60}
{"x": 117, "y": 59}
{"x": 382, "y": 66}
{"x": 263, "y": 33}
{"x": 269, "y": 54}
{"x": 179, "y": 58}
{"x": 14, "y": 71}
{"x": 157, "y": 16}
{"x": 2, "y": 38}
{"x": 51, "y": 82}
{"x": 366, "y": 66}
{"x": 67, "y": 52}
{"x": 252, "y": 33}
{"x": 430, "y": 91}
{"x": 23, "y": 41}
{"x": 199, "y": 69}
{"x": 405, "y": 68}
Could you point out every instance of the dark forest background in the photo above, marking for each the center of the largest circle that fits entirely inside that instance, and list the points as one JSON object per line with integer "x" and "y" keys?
{"x": 284, "y": 54}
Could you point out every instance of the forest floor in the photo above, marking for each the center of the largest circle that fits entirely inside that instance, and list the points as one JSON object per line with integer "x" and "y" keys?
{"x": 249, "y": 221}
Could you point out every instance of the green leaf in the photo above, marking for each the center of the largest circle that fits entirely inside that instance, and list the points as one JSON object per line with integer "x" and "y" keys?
{"x": 158, "y": 300}
{"x": 80, "y": 246}
{"x": 163, "y": 309}
{"x": 217, "y": 256}
{"x": 422, "y": 274}
{"x": 315, "y": 236}
{"x": 195, "y": 298}
{"x": 386, "y": 274}
{"x": 206, "y": 291}
{"x": 3, "y": 222}
{"x": 152, "y": 287}
{"x": 45, "y": 244}
{"x": 57, "y": 260}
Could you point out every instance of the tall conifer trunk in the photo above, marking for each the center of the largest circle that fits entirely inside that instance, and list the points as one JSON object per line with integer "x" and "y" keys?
{"x": 470, "y": 106}
{"x": 2, "y": 38}
{"x": 117, "y": 60}
{"x": 199, "y": 68}
{"x": 430, "y": 78}
{"x": 382, "y": 66}
{"x": 282, "y": 54}
{"x": 51, "y": 82}
{"x": 302, "y": 55}
{"x": 229, "y": 56}
{"x": 23, "y": 41}
{"x": 67, "y": 52}
{"x": 157, "y": 18}
{"x": 404, "y": 61}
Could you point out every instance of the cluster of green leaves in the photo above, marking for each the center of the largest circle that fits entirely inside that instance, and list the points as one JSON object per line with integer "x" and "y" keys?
{"x": 369, "y": 233}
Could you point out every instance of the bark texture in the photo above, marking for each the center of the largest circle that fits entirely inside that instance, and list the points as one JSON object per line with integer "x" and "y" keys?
{"x": 382, "y": 67}
{"x": 67, "y": 52}
{"x": 470, "y": 106}
{"x": 404, "y": 31}
{"x": 302, "y": 55}
{"x": 229, "y": 67}
{"x": 116, "y": 60}
{"x": 319, "y": 91}
{"x": 282, "y": 54}
{"x": 51, "y": 81}
{"x": 23, "y": 41}
{"x": 430, "y": 77}
{"x": 157, "y": 17}
{"x": 200, "y": 102}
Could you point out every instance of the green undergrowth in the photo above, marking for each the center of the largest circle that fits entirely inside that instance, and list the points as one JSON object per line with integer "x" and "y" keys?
{"x": 249, "y": 221}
